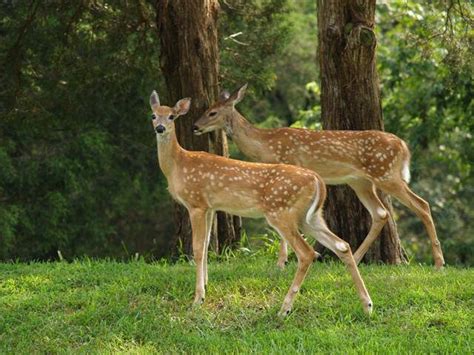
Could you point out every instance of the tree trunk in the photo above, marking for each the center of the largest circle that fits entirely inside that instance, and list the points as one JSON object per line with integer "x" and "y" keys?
{"x": 189, "y": 58}
{"x": 350, "y": 101}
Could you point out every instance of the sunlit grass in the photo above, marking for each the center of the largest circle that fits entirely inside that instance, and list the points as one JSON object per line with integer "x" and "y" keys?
{"x": 104, "y": 306}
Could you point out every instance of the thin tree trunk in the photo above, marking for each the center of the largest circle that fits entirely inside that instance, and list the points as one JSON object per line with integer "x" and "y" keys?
{"x": 190, "y": 62}
{"x": 350, "y": 100}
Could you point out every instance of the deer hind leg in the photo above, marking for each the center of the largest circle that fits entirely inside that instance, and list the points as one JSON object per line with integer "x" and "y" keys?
{"x": 366, "y": 193}
{"x": 400, "y": 190}
{"x": 304, "y": 253}
{"x": 200, "y": 232}
{"x": 283, "y": 254}
{"x": 321, "y": 232}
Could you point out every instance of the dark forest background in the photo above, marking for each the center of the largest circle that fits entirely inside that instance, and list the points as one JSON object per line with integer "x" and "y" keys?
{"x": 78, "y": 166}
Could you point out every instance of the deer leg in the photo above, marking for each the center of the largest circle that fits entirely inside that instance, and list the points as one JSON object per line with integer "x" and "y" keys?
{"x": 199, "y": 227}
{"x": 365, "y": 191}
{"x": 209, "y": 221}
{"x": 283, "y": 254}
{"x": 421, "y": 208}
{"x": 321, "y": 232}
{"x": 305, "y": 255}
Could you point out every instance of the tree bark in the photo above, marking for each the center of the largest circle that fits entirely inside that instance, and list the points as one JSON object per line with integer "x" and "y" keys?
{"x": 189, "y": 58}
{"x": 350, "y": 100}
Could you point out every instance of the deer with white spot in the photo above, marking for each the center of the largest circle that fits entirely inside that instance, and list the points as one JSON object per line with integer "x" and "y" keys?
{"x": 364, "y": 160}
{"x": 288, "y": 197}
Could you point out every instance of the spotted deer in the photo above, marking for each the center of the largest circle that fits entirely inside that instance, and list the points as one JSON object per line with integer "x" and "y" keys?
{"x": 364, "y": 160}
{"x": 288, "y": 197}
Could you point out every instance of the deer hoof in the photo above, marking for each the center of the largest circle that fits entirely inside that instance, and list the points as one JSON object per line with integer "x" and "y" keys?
{"x": 284, "y": 312}
{"x": 198, "y": 300}
{"x": 439, "y": 264}
{"x": 368, "y": 308}
{"x": 282, "y": 264}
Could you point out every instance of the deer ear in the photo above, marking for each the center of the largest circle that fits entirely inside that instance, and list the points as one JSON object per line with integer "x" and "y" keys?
{"x": 237, "y": 96}
{"x": 154, "y": 99}
{"x": 224, "y": 95}
{"x": 182, "y": 106}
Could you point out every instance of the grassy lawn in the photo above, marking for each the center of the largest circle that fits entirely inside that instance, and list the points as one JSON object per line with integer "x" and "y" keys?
{"x": 103, "y": 306}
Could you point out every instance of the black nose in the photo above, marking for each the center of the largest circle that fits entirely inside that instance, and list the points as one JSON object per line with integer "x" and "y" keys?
{"x": 195, "y": 128}
{"x": 160, "y": 129}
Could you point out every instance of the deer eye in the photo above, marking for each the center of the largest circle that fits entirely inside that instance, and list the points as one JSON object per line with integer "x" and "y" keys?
{"x": 171, "y": 117}
{"x": 153, "y": 116}
{"x": 212, "y": 114}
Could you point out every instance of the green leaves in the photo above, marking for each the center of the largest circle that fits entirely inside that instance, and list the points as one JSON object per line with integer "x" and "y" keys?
{"x": 73, "y": 145}
{"x": 77, "y": 155}
{"x": 427, "y": 100}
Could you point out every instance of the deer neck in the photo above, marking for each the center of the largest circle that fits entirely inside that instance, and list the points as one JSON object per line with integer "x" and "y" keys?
{"x": 169, "y": 152}
{"x": 248, "y": 138}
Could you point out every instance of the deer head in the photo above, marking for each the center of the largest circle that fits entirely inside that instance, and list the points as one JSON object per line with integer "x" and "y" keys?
{"x": 216, "y": 116}
{"x": 163, "y": 116}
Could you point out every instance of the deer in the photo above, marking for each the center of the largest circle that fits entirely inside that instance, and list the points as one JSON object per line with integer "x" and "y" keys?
{"x": 290, "y": 198}
{"x": 364, "y": 160}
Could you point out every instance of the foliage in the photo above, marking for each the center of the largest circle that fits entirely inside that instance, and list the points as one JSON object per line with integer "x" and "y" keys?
{"x": 426, "y": 68}
{"x": 275, "y": 53}
{"x": 77, "y": 174}
{"x": 253, "y": 33}
{"x": 135, "y": 307}
{"x": 77, "y": 154}
{"x": 78, "y": 167}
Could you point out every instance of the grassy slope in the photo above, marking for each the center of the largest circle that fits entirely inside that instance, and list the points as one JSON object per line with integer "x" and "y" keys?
{"x": 138, "y": 307}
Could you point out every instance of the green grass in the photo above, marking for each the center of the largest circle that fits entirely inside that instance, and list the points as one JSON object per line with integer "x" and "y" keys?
{"x": 100, "y": 306}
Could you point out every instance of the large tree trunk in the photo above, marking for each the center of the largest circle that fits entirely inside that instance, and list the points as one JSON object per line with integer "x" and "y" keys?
{"x": 190, "y": 62}
{"x": 350, "y": 101}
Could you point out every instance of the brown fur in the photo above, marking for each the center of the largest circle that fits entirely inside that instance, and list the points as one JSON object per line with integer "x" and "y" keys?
{"x": 288, "y": 197}
{"x": 362, "y": 159}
